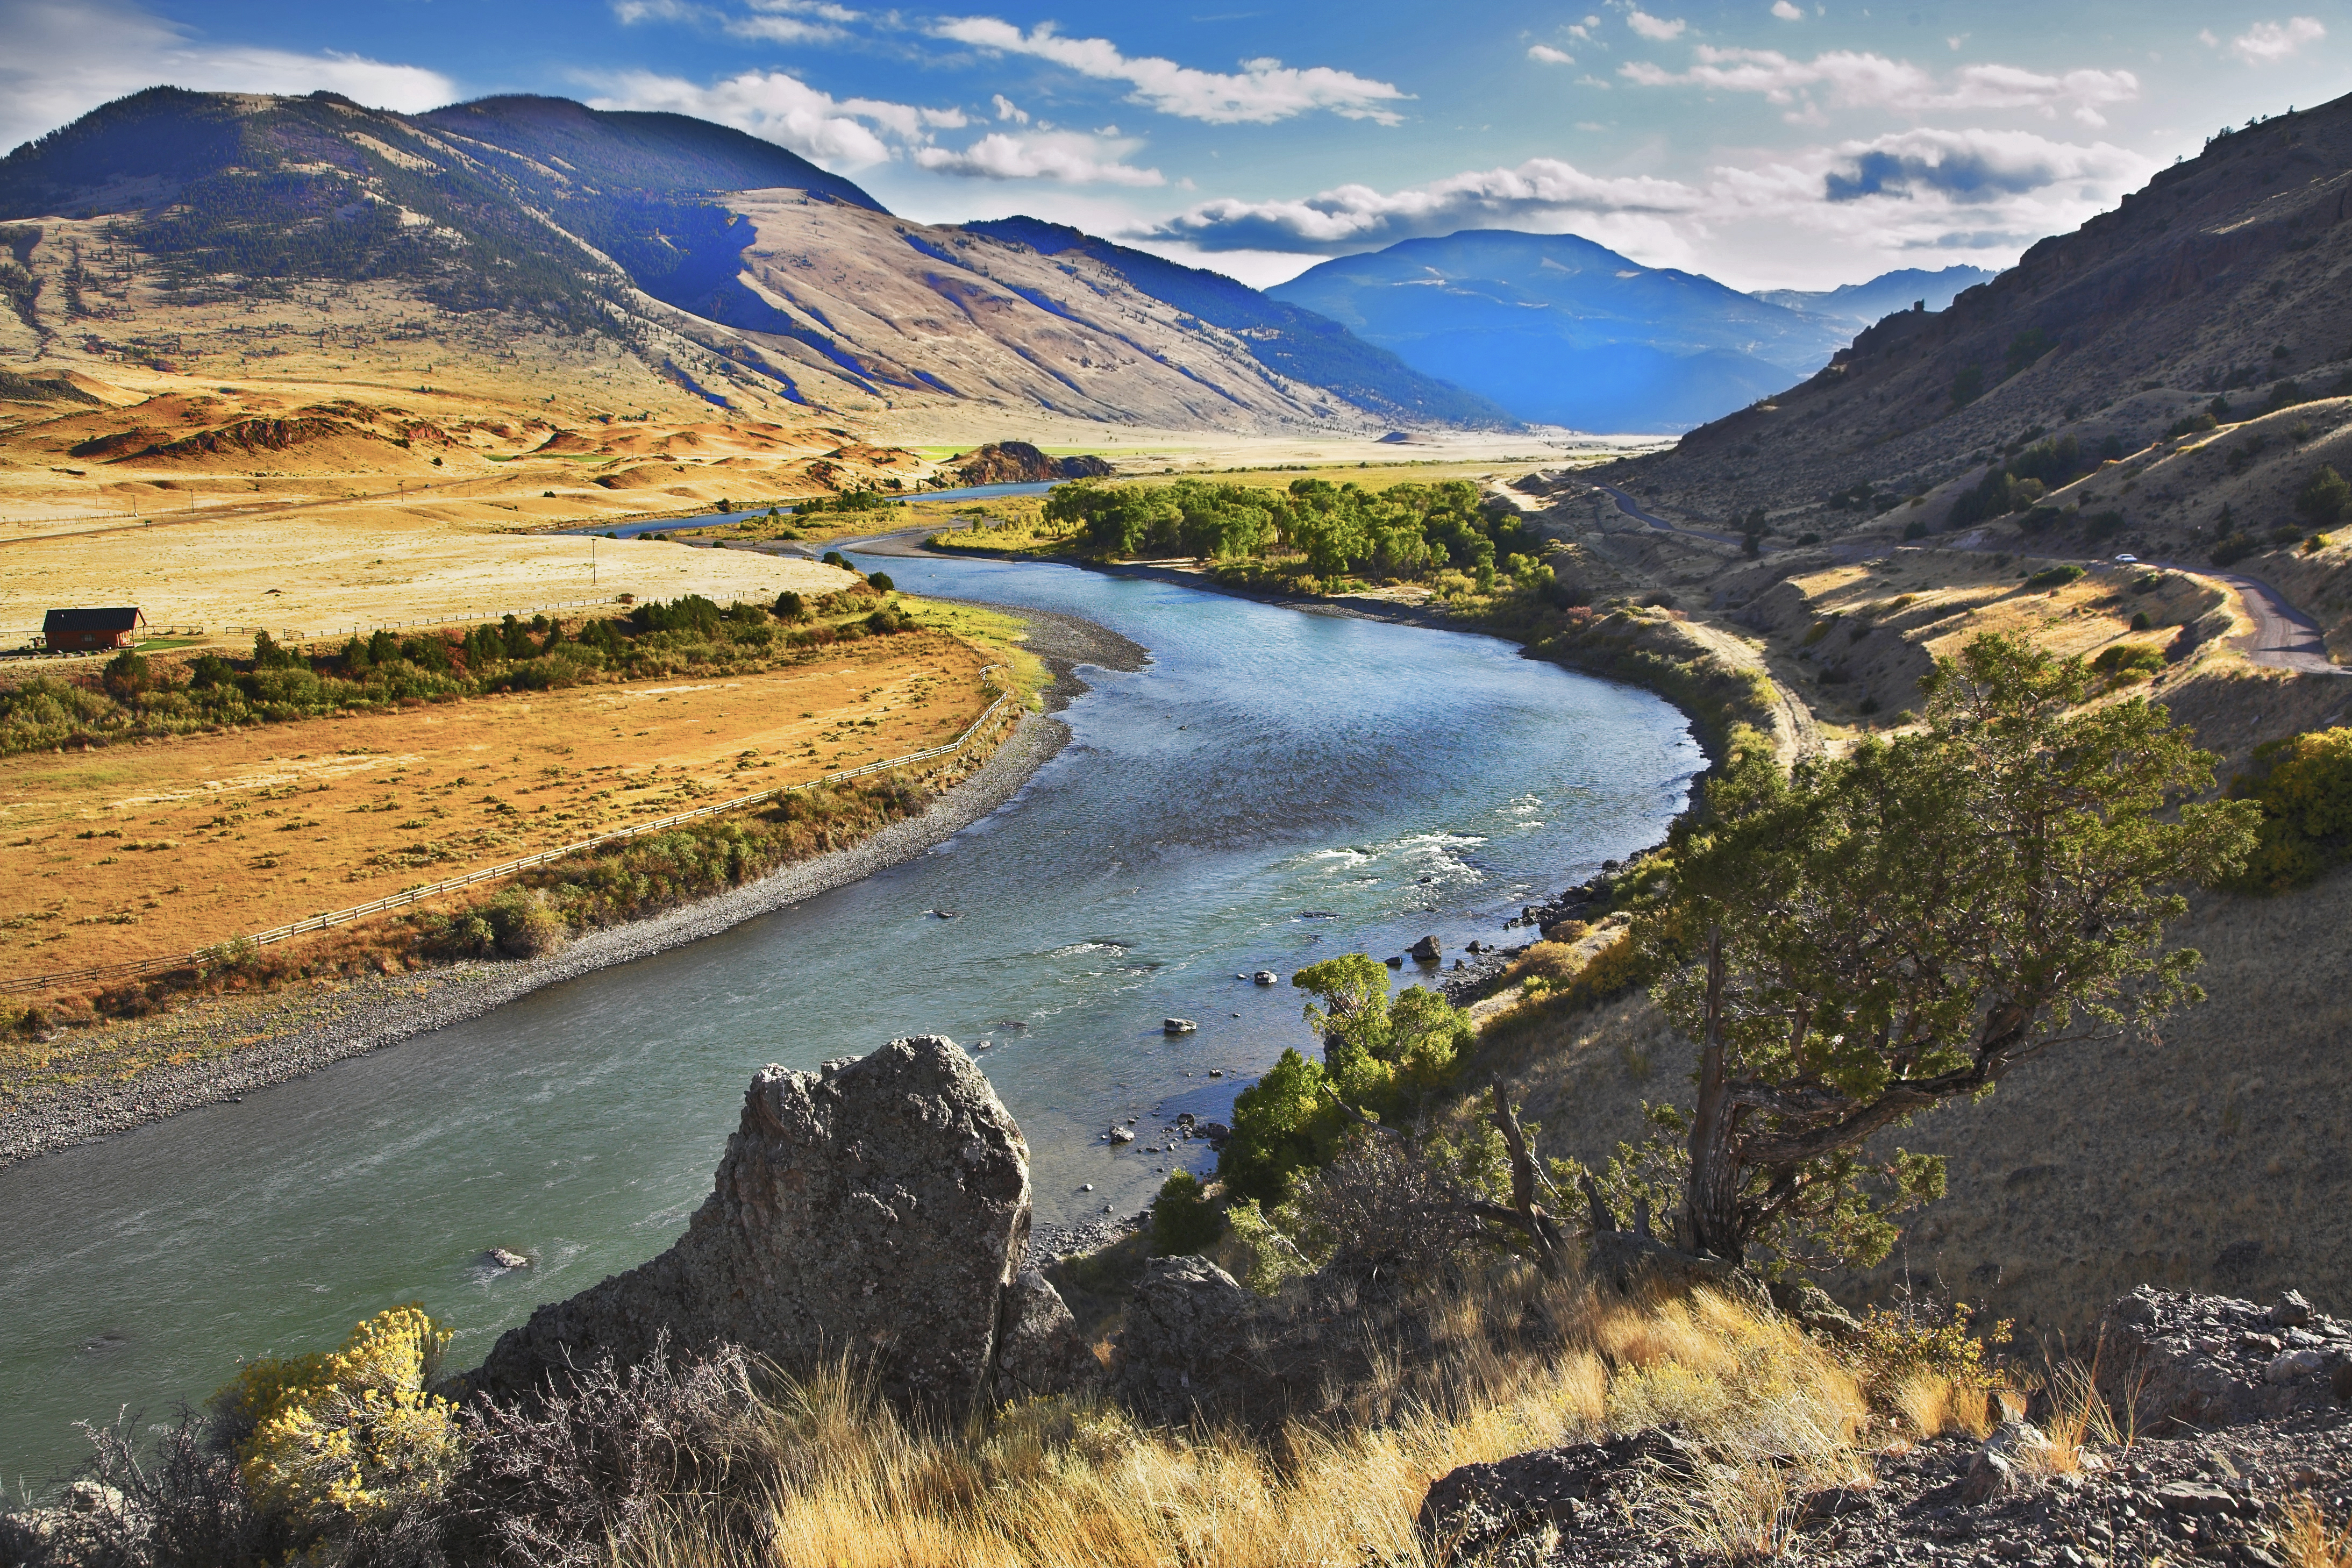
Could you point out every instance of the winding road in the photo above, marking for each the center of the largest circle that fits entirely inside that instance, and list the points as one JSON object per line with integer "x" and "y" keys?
{"x": 2283, "y": 637}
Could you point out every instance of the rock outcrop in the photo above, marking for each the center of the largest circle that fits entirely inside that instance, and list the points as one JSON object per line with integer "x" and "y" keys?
{"x": 2214, "y": 1361}
{"x": 1473, "y": 1508}
{"x": 877, "y": 1208}
{"x": 1018, "y": 462}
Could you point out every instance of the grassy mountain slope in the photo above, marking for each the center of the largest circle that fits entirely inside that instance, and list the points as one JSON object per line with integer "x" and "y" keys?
{"x": 2220, "y": 278}
{"x": 1286, "y": 338}
{"x": 1557, "y": 329}
{"x": 641, "y": 254}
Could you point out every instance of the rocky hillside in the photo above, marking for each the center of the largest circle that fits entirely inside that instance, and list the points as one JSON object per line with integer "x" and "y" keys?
{"x": 2217, "y": 282}
{"x": 652, "y": 253}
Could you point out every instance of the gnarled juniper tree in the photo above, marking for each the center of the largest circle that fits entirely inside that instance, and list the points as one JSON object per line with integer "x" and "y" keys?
{"x": 1885, "y": 932}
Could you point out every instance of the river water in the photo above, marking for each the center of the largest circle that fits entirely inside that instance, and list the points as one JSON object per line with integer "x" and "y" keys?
{"x": 1275, "y": 787}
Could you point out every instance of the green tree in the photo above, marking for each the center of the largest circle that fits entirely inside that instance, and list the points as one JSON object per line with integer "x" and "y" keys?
{"x": 1287, "y": 1122}
{"x": 1885, "y": 932}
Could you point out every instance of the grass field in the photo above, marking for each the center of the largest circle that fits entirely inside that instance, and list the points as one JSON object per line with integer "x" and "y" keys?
{"x": 142, "y": 851}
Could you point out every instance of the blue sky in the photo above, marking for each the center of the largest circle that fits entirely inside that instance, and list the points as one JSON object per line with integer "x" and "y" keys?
{"x": 1795, "y": 144}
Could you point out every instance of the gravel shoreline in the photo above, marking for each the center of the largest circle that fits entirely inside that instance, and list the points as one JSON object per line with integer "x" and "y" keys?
{"x": 272, "y": 1039}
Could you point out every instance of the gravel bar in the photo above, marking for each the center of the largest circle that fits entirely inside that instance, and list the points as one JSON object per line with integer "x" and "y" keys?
{"x": 303, "y": 1031}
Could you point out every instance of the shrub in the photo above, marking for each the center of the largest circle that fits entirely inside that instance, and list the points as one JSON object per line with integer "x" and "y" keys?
{"x": 2324, "y": 496}
{"x": 791, "y": 606}
{"x": 127, "y": 675}
{"x": 2140, "y": 622}
{"x": 521, "y": 926}
{"x": 2315, "y": 544}
{"x": 2304, "y": 783}
{"x": 2054, "y": 577}
{"x": 1183, "y": 1220}
{"x": 595, "y": 1466}
{"x": 328, "y": 1444}
{"x": 880, "y": 581}
{"x": 835, "y": 558}
{"x": 2129, "y": 662}
{"x": 2234, "y": 549}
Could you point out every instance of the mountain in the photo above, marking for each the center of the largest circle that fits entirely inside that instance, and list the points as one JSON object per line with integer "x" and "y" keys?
{"x": 604, "y": 259}
{"x": 1560, "y": 330}
{"x": 2210, "y": 295}
{"x": 1858, "y": 305}
{"x": 1284, "y": 338}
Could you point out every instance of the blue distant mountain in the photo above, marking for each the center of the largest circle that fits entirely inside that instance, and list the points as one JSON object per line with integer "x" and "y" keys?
{"x": 1859, "y": 305}
{"x": 1563, "y": 332}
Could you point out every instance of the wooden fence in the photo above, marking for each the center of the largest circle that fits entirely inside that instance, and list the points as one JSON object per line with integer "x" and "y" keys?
{"x": 31, "y": 983}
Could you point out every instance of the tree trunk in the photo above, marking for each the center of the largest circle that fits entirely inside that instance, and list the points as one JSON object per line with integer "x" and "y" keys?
{"x": 1710, "y": 1218}
{"x": 1540, "y": 1229}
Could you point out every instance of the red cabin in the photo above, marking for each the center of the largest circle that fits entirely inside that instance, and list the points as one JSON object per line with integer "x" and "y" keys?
{"x": 89, "y": 631}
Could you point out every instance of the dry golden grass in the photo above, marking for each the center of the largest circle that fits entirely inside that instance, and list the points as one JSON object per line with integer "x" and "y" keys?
{"x": 837, "y": 1480}
{"x": 2304, "y": 1539}
{"x": 142, "y": 850}
{"x": 1934, "y": 1404}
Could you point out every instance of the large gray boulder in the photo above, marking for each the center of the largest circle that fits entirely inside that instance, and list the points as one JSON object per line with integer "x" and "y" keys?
{"x": 877, "y": 1209}
{"x": 1188, "y": 1340}
{"x": 1039, "y": 1349}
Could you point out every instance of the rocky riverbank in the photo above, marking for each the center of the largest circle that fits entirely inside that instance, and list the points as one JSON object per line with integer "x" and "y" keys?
{"x": 219, "y": 1049}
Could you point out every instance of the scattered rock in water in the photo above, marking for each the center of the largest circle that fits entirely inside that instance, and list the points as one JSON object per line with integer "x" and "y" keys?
{"x": 499, "y": 1257}
{"x": 1426, "y": 951}
{"x": 881, "y": 1201}
{"x": 1177, "y": 1026}
{"x": 1264, "y": 977}
{"x": 1120, "y": 1135}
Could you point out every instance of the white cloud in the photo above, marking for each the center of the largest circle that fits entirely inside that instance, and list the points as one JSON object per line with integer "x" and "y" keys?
{"x": 1964, "y": 194}
{"x": 1788, "y": 12}
{"x": 774, "y": 21}
{"x": 1546, "y": 54}
{"x": 1064, "y": 156}
{"x": 1656, "y": 28}
{"x": 1263, "y": 91}
{"x": 2205, "y": 36}
{"x": 1539, "y": 192}
{"x": 844, "y": 134}
{"x": 1848, "y": 80}
{"x": 2267, "y": 43}
{"x": 1008, "y": 110}
{"x": 66, "y": 58}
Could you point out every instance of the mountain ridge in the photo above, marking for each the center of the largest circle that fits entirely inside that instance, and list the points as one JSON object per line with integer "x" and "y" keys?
{"x": 1562, "y": 330}
{"x": 640, "y": 231}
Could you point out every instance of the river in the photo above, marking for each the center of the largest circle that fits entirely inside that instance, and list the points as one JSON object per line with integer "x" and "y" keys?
{"x": 1273, "y": 788}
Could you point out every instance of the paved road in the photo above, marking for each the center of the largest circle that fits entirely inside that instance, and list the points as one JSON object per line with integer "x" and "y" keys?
{"x": 1633, "y": 509}
{"x": 2283, "y": 637}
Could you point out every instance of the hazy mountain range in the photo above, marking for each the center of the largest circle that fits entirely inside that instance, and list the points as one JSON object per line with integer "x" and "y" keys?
{"x": 742, "y": 272}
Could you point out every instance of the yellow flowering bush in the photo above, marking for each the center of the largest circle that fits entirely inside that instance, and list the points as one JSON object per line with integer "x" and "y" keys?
{"x": 335, "y": 1441}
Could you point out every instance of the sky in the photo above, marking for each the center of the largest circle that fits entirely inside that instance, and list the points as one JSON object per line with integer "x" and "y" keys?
{"x": 1770, "y": 143}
